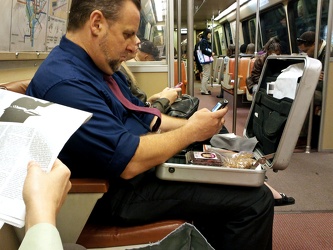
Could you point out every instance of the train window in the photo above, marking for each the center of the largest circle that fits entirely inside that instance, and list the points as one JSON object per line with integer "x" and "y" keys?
{"x": 249, "y": 32}
{"x": 151, "y": 30}
{"x": 217, "y": 44}
{"x": 247, "y": 35}
{"x": 304, "y": 14}
{"x": 274, "y": 24}
{"x": 228, "y": 33}
{"x": 324, "y": 20}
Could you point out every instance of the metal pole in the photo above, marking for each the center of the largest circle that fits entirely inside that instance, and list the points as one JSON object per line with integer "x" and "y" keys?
{"x": 190, "y": 47}
{"x": 212, "y": 45}
{"x": 326, "y": 68}
{"x": 179, "y": 40}
{"x": 257, "y": 27}
{"x": 234, "y": 122}
{"x": 308, "y": 139}
{"x": 170, "y": 45}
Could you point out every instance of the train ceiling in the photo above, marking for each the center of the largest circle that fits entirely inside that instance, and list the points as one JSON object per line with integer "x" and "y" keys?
{"x": 203, "y": 11}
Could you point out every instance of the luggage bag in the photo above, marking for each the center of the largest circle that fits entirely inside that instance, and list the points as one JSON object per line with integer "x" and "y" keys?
{"x": 275, "y": 118}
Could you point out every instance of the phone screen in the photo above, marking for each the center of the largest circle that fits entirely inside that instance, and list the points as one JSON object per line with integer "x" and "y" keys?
{"x": 220, "y": 105}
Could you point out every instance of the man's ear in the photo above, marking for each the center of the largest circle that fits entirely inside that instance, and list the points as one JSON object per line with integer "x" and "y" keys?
{"x": 97, "y": 22}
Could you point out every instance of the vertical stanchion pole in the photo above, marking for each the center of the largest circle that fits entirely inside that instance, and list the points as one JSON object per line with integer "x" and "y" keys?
{"x": 310, "y": 125}
{"x": 212, "y": 46}
{"x": 234, "y": 122}
{"x": 170, "y": 45}
{"x": 190, "y": 47}
{"x": 257, "y": 28}
{"x": 179, "y": 40}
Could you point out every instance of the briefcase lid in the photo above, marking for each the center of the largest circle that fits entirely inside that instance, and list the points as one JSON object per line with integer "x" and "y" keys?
{"x": 279, "y": 107}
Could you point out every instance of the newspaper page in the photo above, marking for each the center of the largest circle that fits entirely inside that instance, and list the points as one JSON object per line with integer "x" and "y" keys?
{"x": 30, "y": 129}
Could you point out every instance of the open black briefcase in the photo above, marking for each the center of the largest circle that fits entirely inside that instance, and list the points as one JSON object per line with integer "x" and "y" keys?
{"x": 277, "y": 114}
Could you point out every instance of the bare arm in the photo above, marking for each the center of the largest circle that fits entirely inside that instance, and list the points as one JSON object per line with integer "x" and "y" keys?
{"x": 170, "y": 123}
{"x": 155, "y": 149}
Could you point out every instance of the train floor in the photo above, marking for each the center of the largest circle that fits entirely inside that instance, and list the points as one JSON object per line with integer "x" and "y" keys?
{"x": 308, "y": 179}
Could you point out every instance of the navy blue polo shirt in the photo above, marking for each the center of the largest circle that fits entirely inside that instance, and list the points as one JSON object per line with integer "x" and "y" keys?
{"x": 107, "y": 142}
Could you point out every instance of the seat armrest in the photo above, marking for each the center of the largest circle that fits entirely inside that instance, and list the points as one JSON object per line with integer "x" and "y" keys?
{"x": 16, "y": 86}
{"x": 89, "y": 185}
{"x": 78, "y": 206}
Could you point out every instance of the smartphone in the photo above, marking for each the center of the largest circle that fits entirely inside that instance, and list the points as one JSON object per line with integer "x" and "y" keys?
{"x": 220, "y": 105}
{"x": 179, "y": 85}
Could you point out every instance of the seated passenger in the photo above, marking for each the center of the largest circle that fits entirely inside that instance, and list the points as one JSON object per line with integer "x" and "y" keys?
{"x": 250, "y": 49}
{"x": 272, "y": 47}
{"x": 242, "y": 49}
{"x": 122, "y": 145}
{"x": 147, "y": 51}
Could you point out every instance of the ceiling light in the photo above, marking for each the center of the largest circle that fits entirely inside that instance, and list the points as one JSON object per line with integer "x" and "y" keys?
{"x": 230, "y": 9}
{"x": 160, "y": 10}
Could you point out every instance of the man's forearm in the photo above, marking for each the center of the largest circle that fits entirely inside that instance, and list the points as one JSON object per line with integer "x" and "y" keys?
{"x": 171, "y": 123}
{"x": 155, "y": 149}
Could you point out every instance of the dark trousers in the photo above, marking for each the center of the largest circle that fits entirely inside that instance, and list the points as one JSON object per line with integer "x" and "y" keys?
{"x": 229, "y": 217}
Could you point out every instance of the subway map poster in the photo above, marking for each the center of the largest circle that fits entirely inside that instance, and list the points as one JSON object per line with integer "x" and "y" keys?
{"x": 34, "y": 25}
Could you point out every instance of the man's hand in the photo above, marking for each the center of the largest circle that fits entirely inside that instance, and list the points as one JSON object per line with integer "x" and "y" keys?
{"x": 204, "y": 123}
{"x": 170, "y": 93}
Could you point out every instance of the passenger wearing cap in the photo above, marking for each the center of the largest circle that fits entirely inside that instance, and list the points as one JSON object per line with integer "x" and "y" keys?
{"x": 306, "y": 44}
{"x": 147, "y": 51}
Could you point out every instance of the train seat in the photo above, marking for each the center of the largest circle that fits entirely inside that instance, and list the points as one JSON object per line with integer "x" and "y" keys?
{"x": 227, "y": 82}
{"x": 249, "y": 96}
{"x": 73, "y": 216}
{"x": 243, "y": 73}
{"x": 111, "y": 237}
{"x": 218, "y": 70}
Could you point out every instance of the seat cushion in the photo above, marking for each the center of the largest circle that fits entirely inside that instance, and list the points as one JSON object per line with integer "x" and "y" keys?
{"x": 94, "y": 236}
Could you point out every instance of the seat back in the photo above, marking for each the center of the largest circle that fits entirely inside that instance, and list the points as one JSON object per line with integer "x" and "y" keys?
{"x": 228, "y": 77}
{"x": 216, "y": 67}
{"x": 243, "y": 73}
{"x": 249, "y": 96}
{"x": 231, "y": 68}
{"x": 219, "y": 70}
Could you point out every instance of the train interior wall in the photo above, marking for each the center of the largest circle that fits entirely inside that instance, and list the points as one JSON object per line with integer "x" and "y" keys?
{"x": 327, "y": 138}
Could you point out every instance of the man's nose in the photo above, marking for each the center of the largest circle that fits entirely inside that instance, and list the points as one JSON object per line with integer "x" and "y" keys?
{"x": 134, "y": 46}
